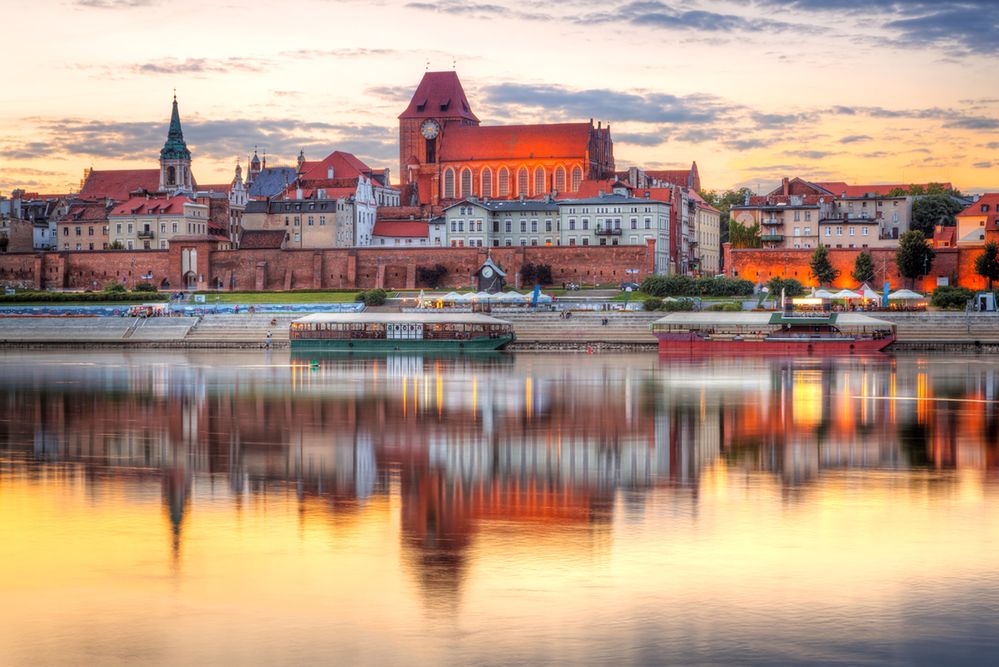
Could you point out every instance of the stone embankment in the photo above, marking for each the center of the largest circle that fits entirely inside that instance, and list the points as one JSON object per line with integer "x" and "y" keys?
{"x": 535, "y": 331}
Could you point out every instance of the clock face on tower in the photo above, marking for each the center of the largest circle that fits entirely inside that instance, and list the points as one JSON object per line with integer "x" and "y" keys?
{"x": 430, "y": 129}
{"x": 487, "y": 272}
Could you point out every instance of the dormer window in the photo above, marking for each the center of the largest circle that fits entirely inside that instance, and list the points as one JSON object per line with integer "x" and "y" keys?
{"x": 985, "y": 208}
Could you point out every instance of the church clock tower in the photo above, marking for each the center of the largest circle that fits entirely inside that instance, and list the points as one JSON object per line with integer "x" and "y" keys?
{"x": 439, "y": 102}
{"x": 175, "y": 159}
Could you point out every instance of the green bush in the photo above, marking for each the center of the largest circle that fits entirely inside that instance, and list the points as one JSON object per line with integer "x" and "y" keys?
{"x": 144, "y": 287}
{"x": 372, "y": 297}
{"x": 951, "y": 297}
{"x": 678, "y": 285}
{"x": 791, "y": 287}
{"x": 114, "y": 288}
{"x": 80, "y": 297}
{"x": 726, "y": 307}
{"x": 652, "y": 303}
{"x": 678, "y": 305}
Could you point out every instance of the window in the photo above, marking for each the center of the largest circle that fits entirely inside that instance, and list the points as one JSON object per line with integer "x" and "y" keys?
{"x": 853, "y": 231}
{"x": 322, "y": 220}
{"x": 297, "y": 221}
{"x": 523, "y": 226}
{"x": 461, "y": 225}
{"x": 523, "y": 241}
{"x": 839, "y": 231}
{"x": 797, "y": 215}
{"x": 454, "y": 226}
{"x": 508, "y": 243}
{"x": 495, "y": 226}
{"x": 560, "y": 179}
{"x": 577, "y": 178}
{"x": 797, "y": 231}
{"x": 808, "y": 231}
{"x": 65, "y": 230}
{"x": 863, "y": 231}
{"x": 504, "y": 182}
{"x": 634, "y": 223}
{"x": 309, "y": 221}
{"x": 175, "y": 228}
{"x": 449, "y": 184}
{"x": 808, "y": 216}
{"x": 162, "y": 228}
{"x": 130, "y": 244}
{"x": 466, "y": 182}
{"x": 648, "y": 223}
{"x": 548, "y": 225}
{"x": 572, "y": 224}
{"x": 572, "y": 240}
{"x": 90, "y": 231}
{"x": 828, "y": 231}
{"x": 508, "y": 226}
{"x": 298, "y": 236}
{"x": 586, "y": 241}
{"x": 130, "y": 228}
{"x": 522, "y": 182}
{"x": 539, "y": 181}
{"x": 586, "y": 223}
{"x": 486, "y": 183}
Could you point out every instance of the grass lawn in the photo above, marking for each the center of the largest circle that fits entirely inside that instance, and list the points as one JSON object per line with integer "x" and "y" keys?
{"x": 78, "y": 303}
{"x": 281, "y": 297}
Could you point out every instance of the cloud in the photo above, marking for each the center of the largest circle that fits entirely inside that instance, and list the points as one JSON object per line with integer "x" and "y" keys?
{"x": 973, "y": 123}
{"x": 115, "y": 4}
{"x": 208, "y": 138}
{"x": 193, "y": 66}
{"x": 607, "y": 104}
{"x": 854, "y": 138}
{"x": 982, "y": 165}
{"x": 811, "y": 155}
{"x": 876, "y": 154}
{"x": 641, "y": 138}
{"x": 993, "y": 145}
{"x": 746, "y": 144}
{"x": 654, "y": 14}
{"x": 774, "y": 121}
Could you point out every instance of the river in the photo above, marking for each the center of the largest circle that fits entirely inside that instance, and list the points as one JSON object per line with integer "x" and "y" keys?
{"x": 182, "y": 507}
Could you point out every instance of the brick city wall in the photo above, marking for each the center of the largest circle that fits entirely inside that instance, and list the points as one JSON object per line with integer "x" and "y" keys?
{"x": 311, "y": 269}
{"x": 758, "y": 265}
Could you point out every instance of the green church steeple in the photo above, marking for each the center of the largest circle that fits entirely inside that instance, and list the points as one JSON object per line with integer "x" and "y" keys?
{"x": 175, "y": 147}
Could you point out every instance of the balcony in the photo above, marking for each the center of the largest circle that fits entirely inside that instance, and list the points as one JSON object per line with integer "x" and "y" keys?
{"x": 771, "y": 238}
{"x": 601, "y": 231}
{"x": 145, "y": 235}
{"x": 771, "y": 222}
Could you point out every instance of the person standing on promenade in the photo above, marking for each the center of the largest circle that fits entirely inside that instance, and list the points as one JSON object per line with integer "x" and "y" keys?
{"x": 267, "y": 340}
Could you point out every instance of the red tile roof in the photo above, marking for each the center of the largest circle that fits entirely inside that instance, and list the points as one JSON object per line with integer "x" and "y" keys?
{"x": 989, "y": 199}
{"x": 840, "y": 189}
{"x": 118, "y": 183}
{"x": 402, "y": 228}
{"x": 89, "y": 211}
{"x": 344, "y": 165}
{"x": 216, "y": 187}
{"x": 654, "y": 194}
{"x": 439, "y": 95}
{"x": 152, "y": 206}
{"x": 592, "y": 188}
{"x": 944, "y": 237}
{"x": 509, "y": 142}
{"x": 262, "y": 239}
{"x": 399, "y": 212}
{"x": 773, "y": 200}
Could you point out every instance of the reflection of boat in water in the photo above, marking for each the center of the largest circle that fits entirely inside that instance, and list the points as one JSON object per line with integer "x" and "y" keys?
{"x": 769, "y": 333}
{"x": 466, "y": 332}
{"x": 392, "y": 360}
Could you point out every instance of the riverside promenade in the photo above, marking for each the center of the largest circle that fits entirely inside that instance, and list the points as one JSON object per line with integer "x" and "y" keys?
{"x": 542, "y": 331}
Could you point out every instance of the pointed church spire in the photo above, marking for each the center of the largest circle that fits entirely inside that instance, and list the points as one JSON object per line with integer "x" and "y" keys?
{"x": 175, "y": 146}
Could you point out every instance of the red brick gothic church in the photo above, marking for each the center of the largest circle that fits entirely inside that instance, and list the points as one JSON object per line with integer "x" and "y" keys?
{"x": 445, "y": 154}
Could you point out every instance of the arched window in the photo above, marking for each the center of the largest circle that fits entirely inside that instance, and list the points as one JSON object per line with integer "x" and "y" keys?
{"x": 522, "y": 182}
{"x": 449, "y": 184}
{"x": 560, "y": 179}
{"x": 466, "y": 182}
{"x": 539, "y": 181}
{"x": 504, "y": 182}
{"x": 171, "y": 176}
{"x": 577, "y": 178}
{"x": 486, "y": 183}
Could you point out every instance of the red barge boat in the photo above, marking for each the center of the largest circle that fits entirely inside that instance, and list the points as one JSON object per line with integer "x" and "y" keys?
{"x": 772, "y": 333}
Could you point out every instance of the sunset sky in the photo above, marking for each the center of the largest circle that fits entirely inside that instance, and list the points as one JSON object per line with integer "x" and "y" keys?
{"x": 854, "y": 90}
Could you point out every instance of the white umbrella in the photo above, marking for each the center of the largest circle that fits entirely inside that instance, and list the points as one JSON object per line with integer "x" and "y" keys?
{"x": 848, "y": 294}
{"x": 868, "y": 293}
{"x": 451, "y": 296}
{"x": 823, "y": 294}
{"x": 905, "y": 295}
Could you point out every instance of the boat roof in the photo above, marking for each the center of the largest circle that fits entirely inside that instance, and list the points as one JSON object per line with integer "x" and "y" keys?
{"x": 396, "y": 318}
{"x": 764, "y": 318}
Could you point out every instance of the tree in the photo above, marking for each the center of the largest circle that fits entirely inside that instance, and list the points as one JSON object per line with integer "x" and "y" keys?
{"x": 117, "y": 245}
{"x": 744, "y": 236}
{"x": 821, "y": 267}
{"x": 987, "y": 264}
{"x": 931, "y": 210}
{"x": 540, "y": 274}
{"x": 724, "y": 203}
{"x": 789, "y": 286}
{"x": 431, "y": 276}
{"x": 914, "y": 256}
{"x": 863, "y": 268}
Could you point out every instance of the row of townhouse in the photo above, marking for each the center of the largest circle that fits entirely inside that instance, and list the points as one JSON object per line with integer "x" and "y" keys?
{"x": 611, "y": 219}
{"x": 803, "y": 214}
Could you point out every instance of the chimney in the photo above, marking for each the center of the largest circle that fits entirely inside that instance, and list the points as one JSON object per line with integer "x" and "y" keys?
{"x": 786, "y": 187}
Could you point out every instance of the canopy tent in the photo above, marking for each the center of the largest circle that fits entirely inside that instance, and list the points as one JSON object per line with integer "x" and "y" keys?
{"x": 498, "y": 297}
{"x": 868, "y": 293}
{"x": 905, "y": 295}
{"x": 823, "y": 294}
{"x": 848, "y": 294}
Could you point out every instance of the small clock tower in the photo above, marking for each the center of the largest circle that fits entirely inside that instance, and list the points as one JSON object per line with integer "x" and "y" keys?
{"x": 175, "y": 159}
{"x": 490, "y": 277}
{"x": 439, "y": 102}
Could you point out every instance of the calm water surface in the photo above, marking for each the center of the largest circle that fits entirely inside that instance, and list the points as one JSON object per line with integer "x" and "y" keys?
{"x": 248, "y": 508}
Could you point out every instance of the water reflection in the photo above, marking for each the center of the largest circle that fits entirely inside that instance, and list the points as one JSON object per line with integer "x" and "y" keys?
{"x": 471, "y": 455}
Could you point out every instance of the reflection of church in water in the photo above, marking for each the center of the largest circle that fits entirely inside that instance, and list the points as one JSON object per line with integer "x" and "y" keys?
{"x": 510, "y": 441}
